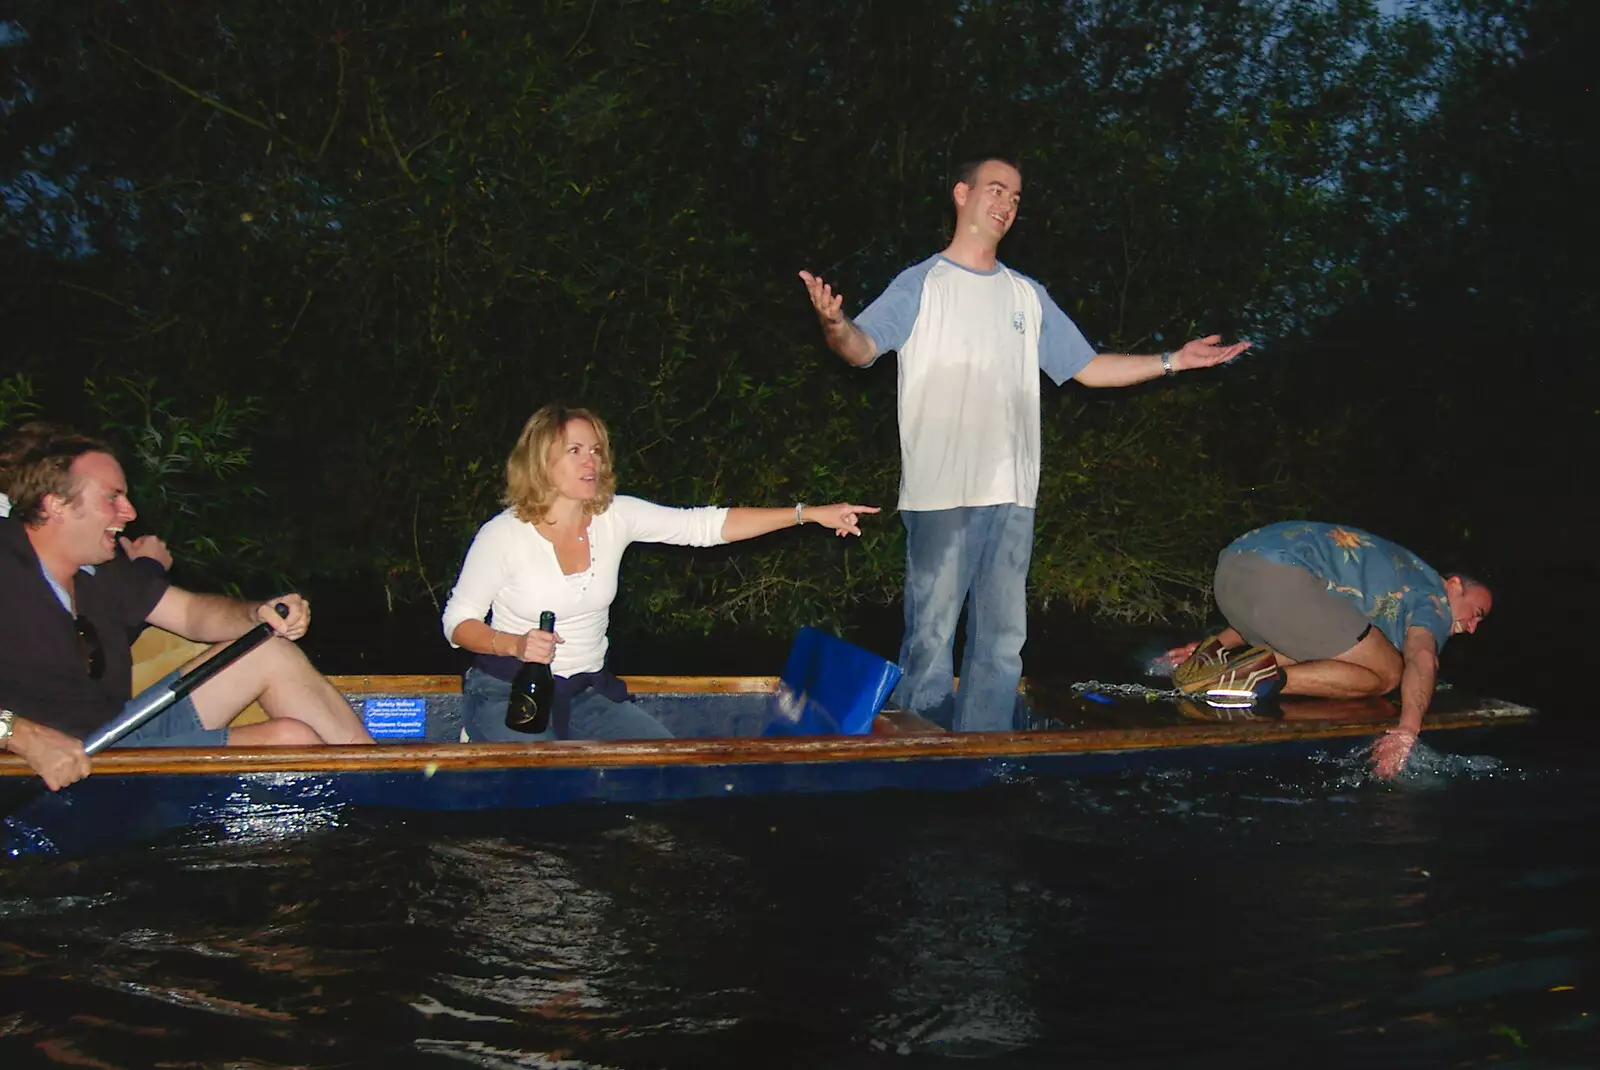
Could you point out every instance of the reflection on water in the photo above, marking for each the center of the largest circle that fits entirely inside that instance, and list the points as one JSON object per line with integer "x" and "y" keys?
{"x": 251, "y": 815}
{"x": 1188, "y": 918}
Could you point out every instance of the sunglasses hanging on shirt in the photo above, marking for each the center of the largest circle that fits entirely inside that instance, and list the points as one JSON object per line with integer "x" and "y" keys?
{"x": 94, "y": 653}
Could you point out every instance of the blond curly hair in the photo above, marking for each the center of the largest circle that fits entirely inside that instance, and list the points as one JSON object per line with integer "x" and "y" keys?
{"x": 529, "y": 491}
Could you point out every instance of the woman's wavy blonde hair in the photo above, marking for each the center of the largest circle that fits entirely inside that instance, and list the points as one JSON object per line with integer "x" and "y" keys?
{"x": 529, "y": 491}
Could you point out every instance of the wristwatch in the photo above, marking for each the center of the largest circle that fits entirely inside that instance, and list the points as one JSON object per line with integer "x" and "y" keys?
{"x": 7, "y": 725}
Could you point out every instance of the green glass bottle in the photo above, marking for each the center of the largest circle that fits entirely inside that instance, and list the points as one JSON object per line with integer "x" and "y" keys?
{"x": 533, "y": 692}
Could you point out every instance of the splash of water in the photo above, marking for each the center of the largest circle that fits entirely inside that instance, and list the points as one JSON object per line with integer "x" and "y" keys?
{"x": 1156, "y": 661}
{"x": 18, "y": 838}
{"x": 1426, "y": 769}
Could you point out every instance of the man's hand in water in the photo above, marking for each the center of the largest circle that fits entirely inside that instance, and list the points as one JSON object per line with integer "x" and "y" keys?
{"x": 1389, "y": 754}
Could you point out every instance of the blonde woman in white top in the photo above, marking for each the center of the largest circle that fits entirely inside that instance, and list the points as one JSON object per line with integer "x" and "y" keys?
{"x": 557, "y": 548}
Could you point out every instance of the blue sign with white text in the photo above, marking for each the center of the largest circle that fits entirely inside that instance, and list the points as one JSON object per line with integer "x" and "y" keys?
{"x": 395, "y": 718}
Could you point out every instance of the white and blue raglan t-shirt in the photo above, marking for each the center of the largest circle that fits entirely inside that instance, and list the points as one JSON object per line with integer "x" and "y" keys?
{"x": 971, "y": 346}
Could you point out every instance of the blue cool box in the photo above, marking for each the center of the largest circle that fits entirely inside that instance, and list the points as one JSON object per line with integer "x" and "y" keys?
{"x": 830, "y": 687}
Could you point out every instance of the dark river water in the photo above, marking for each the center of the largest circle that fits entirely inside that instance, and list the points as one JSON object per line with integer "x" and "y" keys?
{"x": 1297, "y": 914}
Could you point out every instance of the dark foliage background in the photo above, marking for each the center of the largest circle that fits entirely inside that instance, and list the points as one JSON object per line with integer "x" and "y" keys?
{"x": 314, "y": 263}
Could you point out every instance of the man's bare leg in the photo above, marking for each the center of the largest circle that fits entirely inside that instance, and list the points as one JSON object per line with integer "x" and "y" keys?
{"x": 1368, "y": 669}
{"x": 289, "y": 688}
{"x": 278, "y": 732}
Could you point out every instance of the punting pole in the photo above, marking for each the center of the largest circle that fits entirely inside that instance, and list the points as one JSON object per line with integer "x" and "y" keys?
{"x": 152, "y": 702}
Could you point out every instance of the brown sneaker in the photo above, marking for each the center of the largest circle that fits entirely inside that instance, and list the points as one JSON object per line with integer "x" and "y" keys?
{"x": 1247, "y": 678}
{"x": 1202, "y": 667}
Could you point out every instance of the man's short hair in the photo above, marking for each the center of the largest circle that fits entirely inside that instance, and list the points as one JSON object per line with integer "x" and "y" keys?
{"x": 1468, "y": 582}
{"x": 18, "y": 441}
{"x": 967, "y": 171}
{"x": 40, "y": 463}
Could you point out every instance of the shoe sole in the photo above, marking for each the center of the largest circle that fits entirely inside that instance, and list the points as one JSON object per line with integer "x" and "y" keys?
{"x": 1203, "y": 711}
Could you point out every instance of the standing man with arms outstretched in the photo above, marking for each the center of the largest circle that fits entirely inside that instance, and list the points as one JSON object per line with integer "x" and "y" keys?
{"x": 972, "y": 336}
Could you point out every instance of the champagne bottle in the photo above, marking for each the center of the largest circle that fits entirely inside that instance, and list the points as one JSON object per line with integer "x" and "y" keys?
{"x": 533, "y": 691}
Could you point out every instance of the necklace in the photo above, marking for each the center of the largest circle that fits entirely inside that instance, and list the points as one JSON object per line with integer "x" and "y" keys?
{"x": 580, "y": 536}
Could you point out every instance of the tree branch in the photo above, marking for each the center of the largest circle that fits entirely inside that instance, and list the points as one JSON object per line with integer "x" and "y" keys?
{"x": 383, "y": 122}
{"x": 338, "y": 110}
{"x": 204, "y": 99}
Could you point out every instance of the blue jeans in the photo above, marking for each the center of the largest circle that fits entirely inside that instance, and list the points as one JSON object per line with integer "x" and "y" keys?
{"x": 593, "y": 716}
{"x": 978, "y": 556}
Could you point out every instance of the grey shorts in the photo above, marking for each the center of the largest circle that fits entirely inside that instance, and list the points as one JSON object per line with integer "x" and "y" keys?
{"x": 176, "y": 726}
{"x": 1286, "y": 607}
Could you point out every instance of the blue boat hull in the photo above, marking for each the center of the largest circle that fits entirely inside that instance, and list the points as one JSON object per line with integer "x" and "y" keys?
{"x": 107, "y": 810}
{"x": 136, "y": 795}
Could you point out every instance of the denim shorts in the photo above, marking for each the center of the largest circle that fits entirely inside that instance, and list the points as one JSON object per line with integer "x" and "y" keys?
{"x": 176, "y": 726}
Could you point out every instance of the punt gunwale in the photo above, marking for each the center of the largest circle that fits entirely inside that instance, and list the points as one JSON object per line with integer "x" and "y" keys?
{"x": 896, "y": 737}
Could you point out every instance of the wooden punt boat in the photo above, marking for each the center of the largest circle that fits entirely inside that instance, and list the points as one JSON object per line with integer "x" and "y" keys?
{"x": 721, "y": 750}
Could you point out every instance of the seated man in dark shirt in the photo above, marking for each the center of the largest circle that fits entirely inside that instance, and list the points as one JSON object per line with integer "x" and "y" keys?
{"x": 18, "y": 442}
{"x": 156, "y": 652}
{"x": 65, "y": 666}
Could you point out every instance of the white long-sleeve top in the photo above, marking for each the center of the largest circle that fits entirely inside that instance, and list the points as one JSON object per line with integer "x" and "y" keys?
{"x": 513, "y": 570}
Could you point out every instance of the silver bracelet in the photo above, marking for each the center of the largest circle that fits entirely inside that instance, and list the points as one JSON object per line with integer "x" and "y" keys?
{"x": 799, "y": 514}
{"x": 1166, "y": 364}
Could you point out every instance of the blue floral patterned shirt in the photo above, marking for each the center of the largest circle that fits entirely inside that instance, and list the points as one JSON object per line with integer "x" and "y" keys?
{"x": 1394, "y": 587}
